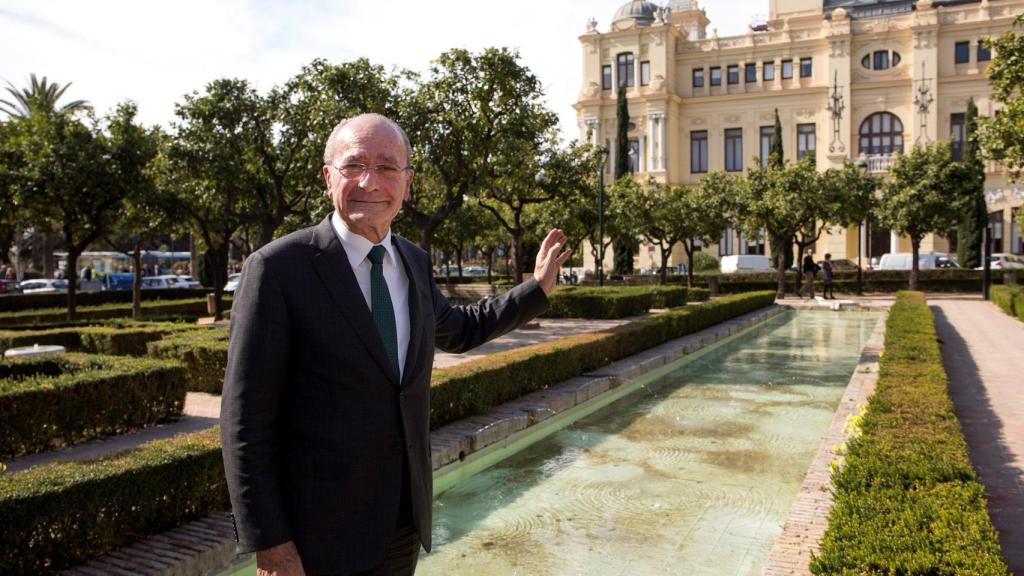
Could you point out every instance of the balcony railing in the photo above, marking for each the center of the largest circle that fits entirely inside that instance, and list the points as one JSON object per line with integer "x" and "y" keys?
{"x": 879, "y": 163}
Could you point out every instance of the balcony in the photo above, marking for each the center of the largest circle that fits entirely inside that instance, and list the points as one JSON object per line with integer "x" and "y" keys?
{"x": 879, "y": 163}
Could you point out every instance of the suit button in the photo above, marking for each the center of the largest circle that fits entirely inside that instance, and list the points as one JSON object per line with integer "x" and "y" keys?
{"x": 401, "y": 396}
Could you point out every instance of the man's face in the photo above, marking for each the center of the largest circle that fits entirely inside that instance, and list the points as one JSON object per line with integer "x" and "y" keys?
{"x": 369, "y": 203}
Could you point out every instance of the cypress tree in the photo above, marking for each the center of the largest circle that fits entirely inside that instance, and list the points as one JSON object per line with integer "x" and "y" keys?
{"x": 623, "y": 245}
{"x": 969, "y": 232}
{"x": 776, "y": 159}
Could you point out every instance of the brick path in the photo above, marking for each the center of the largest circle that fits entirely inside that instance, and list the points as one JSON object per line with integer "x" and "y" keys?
{"x": 983, "y": 350}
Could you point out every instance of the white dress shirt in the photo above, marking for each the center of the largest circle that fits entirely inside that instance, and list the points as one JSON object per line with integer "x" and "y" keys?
{"x": 358, "y": 248}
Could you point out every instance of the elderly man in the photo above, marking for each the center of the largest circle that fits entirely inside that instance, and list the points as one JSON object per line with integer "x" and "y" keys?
{"x": 325, "y": 410}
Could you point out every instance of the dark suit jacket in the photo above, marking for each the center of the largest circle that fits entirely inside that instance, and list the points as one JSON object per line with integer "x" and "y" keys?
{"x": 315, "y": 424}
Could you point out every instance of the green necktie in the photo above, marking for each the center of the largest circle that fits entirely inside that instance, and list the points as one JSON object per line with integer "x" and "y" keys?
{"x": 383, "y": 310}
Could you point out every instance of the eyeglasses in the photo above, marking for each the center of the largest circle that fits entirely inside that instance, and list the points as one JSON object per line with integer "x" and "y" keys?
{"x": 356, "y": 171}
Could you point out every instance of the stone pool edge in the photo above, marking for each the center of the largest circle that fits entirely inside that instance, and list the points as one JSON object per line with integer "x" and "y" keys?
{"x": 808, "y": 515}
{"x": 198, "y": 547}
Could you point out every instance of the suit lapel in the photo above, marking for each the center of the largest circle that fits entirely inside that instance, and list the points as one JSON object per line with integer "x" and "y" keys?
{"x": 331, "y": 264}
{"x": 415, "y": 339}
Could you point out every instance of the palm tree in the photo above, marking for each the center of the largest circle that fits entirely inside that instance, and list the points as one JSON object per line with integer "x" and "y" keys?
{"x": 41, "y": 97}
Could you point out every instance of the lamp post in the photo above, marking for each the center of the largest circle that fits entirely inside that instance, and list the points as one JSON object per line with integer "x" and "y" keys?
{"x": 986, "y": 255}
{"x": 600, "y": 216}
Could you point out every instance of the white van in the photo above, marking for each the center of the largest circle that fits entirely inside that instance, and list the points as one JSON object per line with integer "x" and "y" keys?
{"x": 904, "y": 261}
{"x": 745, "y": 263}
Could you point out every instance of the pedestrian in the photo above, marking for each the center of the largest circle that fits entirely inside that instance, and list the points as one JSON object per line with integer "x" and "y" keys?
{"x": 325, "y": 411}
{"x": 809, "y": 268}
{"x": 826, "y": 277}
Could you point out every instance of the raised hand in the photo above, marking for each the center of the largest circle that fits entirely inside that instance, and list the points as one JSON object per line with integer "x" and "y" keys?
{"x": 553, "y": 253}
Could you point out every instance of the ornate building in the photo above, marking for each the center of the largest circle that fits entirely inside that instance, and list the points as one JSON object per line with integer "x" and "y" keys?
{"x": 851, "y": 79}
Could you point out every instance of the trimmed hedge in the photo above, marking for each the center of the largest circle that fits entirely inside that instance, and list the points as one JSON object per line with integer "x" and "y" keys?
{"x": 16, "y": 302}
{"x": 54, "y": 400}
{"x": 61, "y": 515}
{"x": 618, "y": 301}
{"x": 155, "y": 308}
{"x": 203, "y": 351}
{"x": 476, "y": 387}
{"x": 124, "y": 339}
{"x": 1010, "y": 299}
{"x": 907, "y": 500}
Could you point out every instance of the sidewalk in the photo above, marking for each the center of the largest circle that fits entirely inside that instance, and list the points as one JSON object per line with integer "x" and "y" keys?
{"x": 983, "y": 351}
{"x": 202, "y": 411}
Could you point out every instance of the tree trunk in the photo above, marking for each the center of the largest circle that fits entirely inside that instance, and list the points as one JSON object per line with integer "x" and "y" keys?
{"x": 780, "y": 264}
{"x": 665, "y": 255}
{"x": 266, "y": 233}
{"x": 490, "y": 264}
{"x": 517, "y": 256}
{"x": 689, "y": 264}
{"x": 915, "y": 243}
{"x": 458, "y": 262}
{"x": 799, "y": 269}
{"x": 72, "y": 277}
{"x": 219, "y": 262}
{"x": 447, "y": 267}
{"x": 49, "y": 265}
{"x": 426, "y": 238}
{"x": 137, "y": 281}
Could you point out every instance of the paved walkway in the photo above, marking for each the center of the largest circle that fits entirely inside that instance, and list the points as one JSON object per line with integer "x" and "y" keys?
{"x": 202, "y": 411}
{"x": 983, "y": 350}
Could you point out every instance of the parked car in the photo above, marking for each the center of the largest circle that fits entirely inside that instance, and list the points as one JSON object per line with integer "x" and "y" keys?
{"x": 745, "y": 263}
{"x": 159, "y": 282}
{"x": 904, "y": 260}
{"x": 474, "y": 271}
{"x": 232, "y": 282}
{"x": 119, "y": 281}
{"x": 187, "y": 282}
{"x": 1003, "y": 261}
{"x": 43, "y": 286}
{"x": 843, "y": 265}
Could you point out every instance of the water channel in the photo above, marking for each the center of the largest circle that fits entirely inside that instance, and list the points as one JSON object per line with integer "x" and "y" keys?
{"x": 694, "y": 473}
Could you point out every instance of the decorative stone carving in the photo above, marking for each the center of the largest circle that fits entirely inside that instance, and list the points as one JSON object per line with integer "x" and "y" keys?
{"x": 591, "y": 90}
{"x": 658, "y": 83}
{"x": 697, "y": 122}
{"x": 592, "y": 25}
{"x": 733, "y": 118}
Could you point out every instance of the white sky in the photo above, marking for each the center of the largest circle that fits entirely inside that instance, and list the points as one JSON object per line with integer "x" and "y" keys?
{"x": 154, "y": 52}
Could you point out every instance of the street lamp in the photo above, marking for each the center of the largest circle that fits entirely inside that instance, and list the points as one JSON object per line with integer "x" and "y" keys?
{"x": 600, "y": 216}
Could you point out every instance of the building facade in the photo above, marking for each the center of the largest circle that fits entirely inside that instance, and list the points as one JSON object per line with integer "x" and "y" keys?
{"x": 851, "y": 79}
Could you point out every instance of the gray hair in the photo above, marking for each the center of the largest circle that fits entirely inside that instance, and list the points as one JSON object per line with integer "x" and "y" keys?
{"x": 331, "y": 147}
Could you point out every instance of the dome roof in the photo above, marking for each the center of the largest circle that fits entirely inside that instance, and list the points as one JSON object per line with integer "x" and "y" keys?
{"x": 640, "y": 10}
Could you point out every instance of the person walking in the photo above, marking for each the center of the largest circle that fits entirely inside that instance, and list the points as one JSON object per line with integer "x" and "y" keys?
{"x": 809, "y": 268}
{"x": 826, "y": 277}
{"x": 325, "y": 413}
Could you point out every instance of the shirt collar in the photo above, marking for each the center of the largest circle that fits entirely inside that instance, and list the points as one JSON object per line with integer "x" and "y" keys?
{"x": 358, "y": 247}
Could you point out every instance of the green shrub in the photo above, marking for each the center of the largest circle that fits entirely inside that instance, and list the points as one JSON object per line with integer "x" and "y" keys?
{"x": 907, "y": 499}
{"x": 476, "y": 387}
{"x": 1010, "y": 299}
{"x": 57, "y": 400}
{"x": 60, "y": 515}
{"x": 150, "y": 309}
{"x": 204, "y": 352}
{"x": 704, "y": 262}
{"x": 598, "y": 303}
{"x": 661, "y": 296}
{"x": 698, "y": 295}
{"x": 127, "y": 338}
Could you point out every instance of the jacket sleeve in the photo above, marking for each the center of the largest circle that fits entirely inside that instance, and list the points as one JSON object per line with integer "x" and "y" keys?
{"x": 250, "y": 416}
{"x": 462, "y": 328}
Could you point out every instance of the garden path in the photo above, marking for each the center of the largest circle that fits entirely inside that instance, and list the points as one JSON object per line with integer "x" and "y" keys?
{"x": 983, "y": 351}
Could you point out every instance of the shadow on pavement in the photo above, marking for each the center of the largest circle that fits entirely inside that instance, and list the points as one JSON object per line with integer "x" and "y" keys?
{"x": 986, "y": 440}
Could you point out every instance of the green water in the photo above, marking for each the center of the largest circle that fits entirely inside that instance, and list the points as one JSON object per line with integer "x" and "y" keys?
{"x": 693, "y": 474}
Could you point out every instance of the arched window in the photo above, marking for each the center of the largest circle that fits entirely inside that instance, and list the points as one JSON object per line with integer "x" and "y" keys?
{"x": 881, "y": 133}
{"x": 881, "y": 60}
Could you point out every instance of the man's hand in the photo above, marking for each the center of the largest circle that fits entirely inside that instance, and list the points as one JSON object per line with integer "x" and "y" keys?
{"x": 281, "y": 560}
{"x": 550, "y": 259}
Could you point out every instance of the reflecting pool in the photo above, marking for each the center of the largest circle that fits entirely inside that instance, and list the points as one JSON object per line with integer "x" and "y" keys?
{"x": 693, "y": 474}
